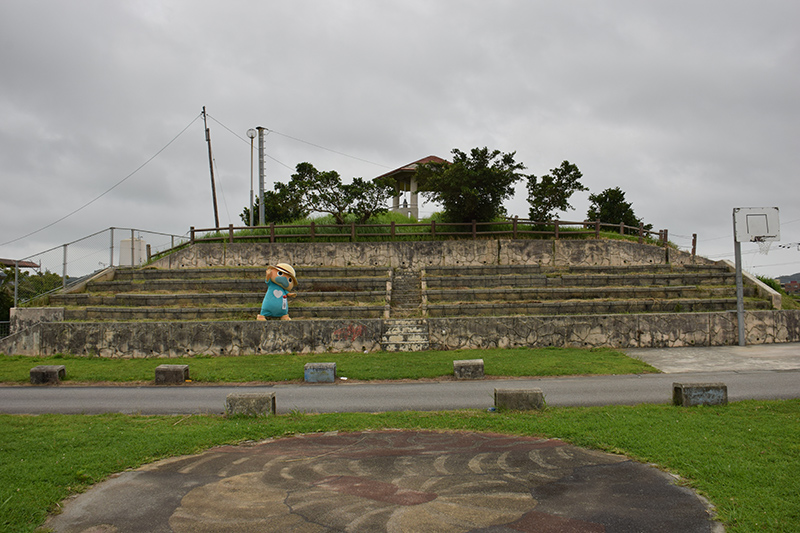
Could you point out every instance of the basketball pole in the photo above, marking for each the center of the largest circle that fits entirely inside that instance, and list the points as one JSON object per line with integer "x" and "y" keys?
{"x": 737, "y": 248}
{"x": 753, "y": 224}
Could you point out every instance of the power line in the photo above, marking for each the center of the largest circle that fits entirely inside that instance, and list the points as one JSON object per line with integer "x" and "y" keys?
{"x": 248, "y": 141}
{"x": 298, "y": 140}
{"x": 120, "y": 182}
{"x": 329, "y": 150}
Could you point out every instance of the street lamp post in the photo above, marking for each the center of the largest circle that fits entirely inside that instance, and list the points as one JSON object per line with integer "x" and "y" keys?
{"x": 252, "y": 134}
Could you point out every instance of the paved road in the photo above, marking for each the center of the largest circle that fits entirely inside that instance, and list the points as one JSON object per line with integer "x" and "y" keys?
{"x": 752, "y": 372}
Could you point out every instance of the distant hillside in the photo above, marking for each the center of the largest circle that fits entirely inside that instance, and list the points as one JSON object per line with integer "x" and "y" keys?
{"x": 787, "y": 279}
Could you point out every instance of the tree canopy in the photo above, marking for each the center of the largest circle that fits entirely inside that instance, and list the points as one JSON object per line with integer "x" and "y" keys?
{"x": 312, "y": 190}
{"x": 610, "y": 206}
{"x": 472, "y": 187}
{"x": 6, "y": 292}
{"x": 551, "y": 192}
{"x": 281, "y": 205}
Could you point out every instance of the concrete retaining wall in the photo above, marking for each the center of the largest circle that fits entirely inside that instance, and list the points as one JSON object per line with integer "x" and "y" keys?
{"x": 654, "y": 330}
{"x": 25, "y": 317}
{"x": 176, "y": 339}
{"x": 419, "y": 254}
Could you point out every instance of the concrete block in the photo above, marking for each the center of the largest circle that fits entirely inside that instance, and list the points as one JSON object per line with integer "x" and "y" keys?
{"x": 47, "y": 374}
{"x": 519, "y": 399}
{"x": 468, "y": 369}
{"x": 250, "y": 403}
{"x": 690, "y": 394}
{"x": 166, "y": 374}
{"x": 319, "y": 372}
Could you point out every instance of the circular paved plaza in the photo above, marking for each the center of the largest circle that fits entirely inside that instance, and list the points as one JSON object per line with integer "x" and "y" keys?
{"x": 396, "y": 481}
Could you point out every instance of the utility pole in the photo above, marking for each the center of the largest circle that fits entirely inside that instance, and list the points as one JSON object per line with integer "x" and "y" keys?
{"x": 211, "y": 167}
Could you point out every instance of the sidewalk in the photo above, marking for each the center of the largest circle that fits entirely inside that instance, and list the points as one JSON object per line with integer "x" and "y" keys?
{"x": 756, "y": 357}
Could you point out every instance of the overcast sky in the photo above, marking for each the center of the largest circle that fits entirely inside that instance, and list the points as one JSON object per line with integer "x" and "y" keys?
{"x": 692, "y": 108}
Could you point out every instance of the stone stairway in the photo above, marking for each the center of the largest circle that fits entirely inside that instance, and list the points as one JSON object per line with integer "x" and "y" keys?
{"x": 406, "y": 297}
{"x": 225, "y": 294}
{"x": 533, "y": 290}
{"x": 405, "y": 335}
{"x": 235, "y": 293}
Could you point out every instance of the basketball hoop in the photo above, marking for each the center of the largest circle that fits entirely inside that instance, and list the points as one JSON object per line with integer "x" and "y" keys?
{"x": 763, "y": 245}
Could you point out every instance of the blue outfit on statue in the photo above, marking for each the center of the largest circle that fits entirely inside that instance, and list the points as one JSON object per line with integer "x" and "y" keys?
{"x": 276, "y": 302}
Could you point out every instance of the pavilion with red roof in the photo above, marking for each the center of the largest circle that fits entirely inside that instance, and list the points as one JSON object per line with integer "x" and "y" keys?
{"x": 406, "y": 200}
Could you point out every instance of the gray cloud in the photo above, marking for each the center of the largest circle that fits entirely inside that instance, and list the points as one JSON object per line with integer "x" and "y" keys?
{"x": 689, "y": 107}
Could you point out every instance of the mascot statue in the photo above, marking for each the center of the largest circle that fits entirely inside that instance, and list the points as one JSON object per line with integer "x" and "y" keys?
{"x": 280, "y": 280}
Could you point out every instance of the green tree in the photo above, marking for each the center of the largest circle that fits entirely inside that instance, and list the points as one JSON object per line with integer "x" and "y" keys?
{"x": 369, "y": 198}
{"x": 311, "y": 190}
{"x": 551, "y": 192}
{"x": 324, "y": 192}
{"x": 610, "y": 206}
{"x": 281, "y": 205}
{"x": 6, "y": 292}
{"x": 30, "y": 285}
{"x": 472, "y": 187}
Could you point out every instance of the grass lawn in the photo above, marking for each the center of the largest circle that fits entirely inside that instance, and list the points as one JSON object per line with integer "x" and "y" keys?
{"x": 745, "y": 457}
{"x": 362, "y": 366}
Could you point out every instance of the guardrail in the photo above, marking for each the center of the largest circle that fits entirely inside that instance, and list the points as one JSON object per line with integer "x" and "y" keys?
{"x": 514, "y": 228}
{"x": 85, "y": 257}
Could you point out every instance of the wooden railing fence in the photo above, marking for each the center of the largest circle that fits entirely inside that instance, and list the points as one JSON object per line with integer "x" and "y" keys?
{"x": 514, "y": 228}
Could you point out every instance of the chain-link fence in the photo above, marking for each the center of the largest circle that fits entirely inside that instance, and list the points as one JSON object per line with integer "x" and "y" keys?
{"x": 74, "y": 262}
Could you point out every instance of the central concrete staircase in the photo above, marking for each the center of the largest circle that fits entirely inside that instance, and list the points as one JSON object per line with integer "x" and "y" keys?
{"x": 406, "y": 296}
{"x": 405, "y": 335}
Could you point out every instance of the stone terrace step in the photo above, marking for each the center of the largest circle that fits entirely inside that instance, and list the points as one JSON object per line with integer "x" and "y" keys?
{"x": 577, "y": 280}
{"x": 214, "y": 298}
{"x": 226, "y": 294}
{"x": 580, "y": 293}
{"x": 127, "y": 274}
{"x": 235, "y": 285}
{"x": 494, "y": 270}
{"x": 216, "y": 313}
{"x": 590, "y": 307}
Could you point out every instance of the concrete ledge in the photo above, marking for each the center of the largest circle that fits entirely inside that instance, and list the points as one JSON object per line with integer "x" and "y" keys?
{"x": 519, "y": 399}
{"x": 47, "y": 374}
{"x": 468, "y": 369}
{"x": 250, "y": 403}
{"x": 319, "y": 372}
{"x": 166, "y": 374}
{"x": 690, "y": 394}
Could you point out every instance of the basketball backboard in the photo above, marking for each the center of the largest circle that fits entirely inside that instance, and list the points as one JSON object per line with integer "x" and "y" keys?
{"x": 754, "y": 224}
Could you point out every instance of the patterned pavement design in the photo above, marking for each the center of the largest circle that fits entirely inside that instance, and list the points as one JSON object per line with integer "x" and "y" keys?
{"x": 394, "y": 481}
